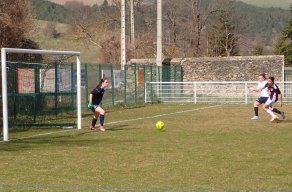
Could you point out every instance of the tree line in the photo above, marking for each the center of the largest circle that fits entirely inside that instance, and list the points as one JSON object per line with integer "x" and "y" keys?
{"x": 191, "y": 28}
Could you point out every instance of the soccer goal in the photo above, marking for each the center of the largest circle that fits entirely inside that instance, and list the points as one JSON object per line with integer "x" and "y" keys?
{"x": 229, "y": 92}
{"x": 40, "y": 88}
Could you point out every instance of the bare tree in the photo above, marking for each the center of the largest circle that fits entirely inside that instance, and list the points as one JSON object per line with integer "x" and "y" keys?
{"x": 16, "y": 22}
{"x": 98, "y": 28}
{"x": 172, "y": 9}
{"x": 145, "y": 31}
{"x": 221, "y": 34}
{"x": 200, "y": 16}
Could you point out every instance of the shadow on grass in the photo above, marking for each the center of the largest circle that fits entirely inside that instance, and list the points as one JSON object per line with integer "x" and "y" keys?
{"x": 118, "y": 128}
{"x": 111, "y": 128}
{"x": 69, "y": 138}
{"x": 286, "y": 121}
{"x": 283, "y": 121}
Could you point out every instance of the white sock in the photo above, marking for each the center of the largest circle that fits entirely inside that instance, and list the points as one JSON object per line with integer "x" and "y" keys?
{"x": 271, "y": 113}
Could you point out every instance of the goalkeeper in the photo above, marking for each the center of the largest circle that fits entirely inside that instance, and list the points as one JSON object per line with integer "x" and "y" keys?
{"x": 95, "y": 98}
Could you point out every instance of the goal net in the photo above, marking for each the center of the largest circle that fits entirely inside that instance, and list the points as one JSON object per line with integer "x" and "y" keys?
{"x": 230, "y": 92}
{"x": 40, "y": 88}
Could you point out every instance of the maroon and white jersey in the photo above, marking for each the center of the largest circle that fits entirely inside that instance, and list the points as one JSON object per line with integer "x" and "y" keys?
{"x": 274, "y": 91}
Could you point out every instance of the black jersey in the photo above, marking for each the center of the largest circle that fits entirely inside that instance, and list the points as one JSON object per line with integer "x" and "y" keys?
{"x": 97, "y": 95}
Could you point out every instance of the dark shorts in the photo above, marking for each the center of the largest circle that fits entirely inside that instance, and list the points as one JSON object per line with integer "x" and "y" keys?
{"x": 262, "y": 100}
{"x": 94, "y": 107}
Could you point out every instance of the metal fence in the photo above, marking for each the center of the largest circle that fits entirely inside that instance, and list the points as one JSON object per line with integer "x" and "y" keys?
{"x": 288, "y": 74}
{"x": 126, "y": 86}
{"x": 38, "y": 92}
{"x": 209, "y": 92}
{"x": 132, "y": 86}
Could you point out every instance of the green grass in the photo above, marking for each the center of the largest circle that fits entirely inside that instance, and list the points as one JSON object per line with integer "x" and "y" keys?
{"x": 202, "y": 149}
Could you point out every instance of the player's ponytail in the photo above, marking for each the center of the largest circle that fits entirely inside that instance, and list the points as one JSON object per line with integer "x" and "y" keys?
{"x": 99, "y": 84}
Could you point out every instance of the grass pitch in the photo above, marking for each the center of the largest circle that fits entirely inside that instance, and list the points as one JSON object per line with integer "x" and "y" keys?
{"x": 203, "y": 148}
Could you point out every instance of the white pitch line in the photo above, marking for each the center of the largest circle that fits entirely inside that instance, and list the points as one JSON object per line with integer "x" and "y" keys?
{"x": 165, "y": 114}
{"x": 123, "y": 121}
{"x": 43, "y": 134}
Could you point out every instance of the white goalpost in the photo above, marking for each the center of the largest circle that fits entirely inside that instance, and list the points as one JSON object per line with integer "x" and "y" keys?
{"x": 37, "y": 83}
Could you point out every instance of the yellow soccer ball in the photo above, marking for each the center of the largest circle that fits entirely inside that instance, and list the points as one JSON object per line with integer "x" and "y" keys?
{"x": 159, "y": 125}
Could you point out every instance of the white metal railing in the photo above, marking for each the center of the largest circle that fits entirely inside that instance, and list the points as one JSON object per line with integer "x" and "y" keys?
{"x": 209, "y": 92}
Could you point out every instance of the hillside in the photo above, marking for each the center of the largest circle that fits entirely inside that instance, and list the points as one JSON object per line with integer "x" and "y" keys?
{"x": 65, "y": 42}
{"x": 251, "y": 22}
{"x": 45, "y": 10}
{"x": 284, "y": 4}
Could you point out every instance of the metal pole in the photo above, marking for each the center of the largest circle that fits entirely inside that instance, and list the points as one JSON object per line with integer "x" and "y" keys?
{"x": 246, "y": 92}
{"x": 159, "y": 44}
{"x": 123, "y": 35}
{"x": 79, "y": 113}
{"x": 4, "y": 95}
{"x": 132, "y": 23}
{"x": 159, "y": 34}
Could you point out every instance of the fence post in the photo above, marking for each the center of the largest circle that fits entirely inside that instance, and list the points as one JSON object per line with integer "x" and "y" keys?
{"x": 35, "y": 94}
{"x": 125, "y": 84}
{"x": 99, "y": 72}
{"x": 72, "y": 86}
{"x": 246, "y": 92}
{"x": 144, "y": 72}
{"x": 56, "y": 89}
{"x": 113, "y": 84}
{"x": 135, "y": 75}
{"x": 195, "y": 92}
{"x": 14, "y": 68}
{"x": 151, "y": 79}
{"x": 174, "y": 73}
{"x": 86, "y": 84}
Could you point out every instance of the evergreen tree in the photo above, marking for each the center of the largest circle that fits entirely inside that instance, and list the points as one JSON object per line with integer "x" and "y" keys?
{"x": 284, "y": 44}
{"x": 104, "y": 6}
{"x": 105, "y": 3}
{"x": 258, "y": 49}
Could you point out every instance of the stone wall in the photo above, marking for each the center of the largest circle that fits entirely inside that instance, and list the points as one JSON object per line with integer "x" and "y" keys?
{"x": 238, "y": 68}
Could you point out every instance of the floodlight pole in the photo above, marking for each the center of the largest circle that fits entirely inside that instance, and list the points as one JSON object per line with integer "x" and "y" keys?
{"x": 159, "y": 44}
{"x": 123, "y": 35}
{"x": 132, "y": 23}
{"x": 159, "y": 34}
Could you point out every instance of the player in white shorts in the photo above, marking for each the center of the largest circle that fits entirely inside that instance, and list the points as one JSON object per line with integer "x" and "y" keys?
{"x": 274, "y": 91}
{"x": 264, "y": 95}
